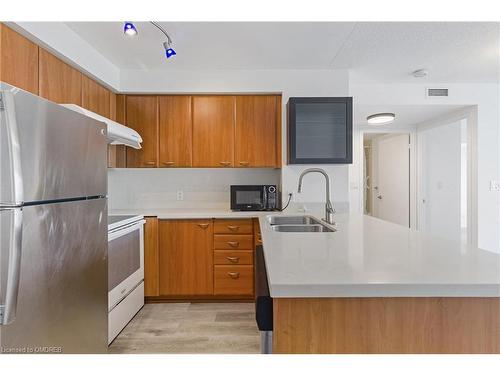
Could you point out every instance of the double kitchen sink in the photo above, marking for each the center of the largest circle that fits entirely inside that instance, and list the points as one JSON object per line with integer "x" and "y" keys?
{"x": 298, "y": 224}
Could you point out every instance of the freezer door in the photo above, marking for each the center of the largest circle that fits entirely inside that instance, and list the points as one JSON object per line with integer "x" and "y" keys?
{"x": 62, "y": 299}
{"x": 48, "y": 152}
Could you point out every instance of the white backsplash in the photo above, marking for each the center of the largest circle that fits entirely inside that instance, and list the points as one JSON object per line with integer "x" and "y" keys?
{"x": 202, "y": 187}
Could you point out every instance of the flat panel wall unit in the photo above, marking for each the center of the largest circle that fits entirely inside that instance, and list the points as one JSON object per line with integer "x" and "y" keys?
{"x": 320, "y": 130}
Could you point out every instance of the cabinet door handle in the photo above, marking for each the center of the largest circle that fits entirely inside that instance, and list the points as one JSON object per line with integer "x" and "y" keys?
{"x": 167, "y": 162}
{"x": 233, "y": 228}
{"x": 244, "y": 163}
{"x": 234, "y": 275}
{"x": 225, "y": 163}
{"x": 149, "y": 163}
{"x": 233, "y": 259}
{"x": 233, "y": 243}
{"x": 203, "y": 225}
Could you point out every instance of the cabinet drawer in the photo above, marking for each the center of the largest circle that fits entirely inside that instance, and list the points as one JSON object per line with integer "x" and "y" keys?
{"x": 232, "y": 257}
{"x": 233, "y": 280}
{"x": 233, "y": 242}
{"x": 233, "y": 226}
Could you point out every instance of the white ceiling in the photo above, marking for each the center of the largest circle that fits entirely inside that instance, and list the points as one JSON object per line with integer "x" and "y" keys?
{"x": 406, "y": 115}
{"x": 375, "y": 52}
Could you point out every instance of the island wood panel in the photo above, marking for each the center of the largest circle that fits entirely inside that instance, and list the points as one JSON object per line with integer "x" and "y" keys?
{"x": 18, "y": 60}
{"x": 213, "y": 131}
{"x": 59, "y": 82}
{"x": 255, "y": 131}
{"x": 386, "y": 325}
{"x": 151, "y": 258}
{"x": 175, "y": 131}
{"x": 186, "y": 257}
{"x": 142, "y": 116}
{"x": 95, "y": 97}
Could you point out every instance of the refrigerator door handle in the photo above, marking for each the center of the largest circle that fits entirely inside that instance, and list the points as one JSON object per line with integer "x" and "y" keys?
{"x": 13, "y": 146}
{"x": 8, "y": 307}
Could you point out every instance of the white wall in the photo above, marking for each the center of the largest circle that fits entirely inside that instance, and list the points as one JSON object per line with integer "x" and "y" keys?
{"x": 202, "y": 187}
{"x": 486, "y": 98}
{"x": 287, "y": 82}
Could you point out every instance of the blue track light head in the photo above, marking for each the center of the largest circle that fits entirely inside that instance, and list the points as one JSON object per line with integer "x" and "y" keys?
{"x": 169, "y": 51}
{"x": 129, "y": 29}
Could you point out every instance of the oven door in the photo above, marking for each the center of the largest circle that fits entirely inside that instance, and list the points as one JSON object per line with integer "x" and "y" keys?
{"x": 248, "y": 198}
{"x": 125, "y": 261}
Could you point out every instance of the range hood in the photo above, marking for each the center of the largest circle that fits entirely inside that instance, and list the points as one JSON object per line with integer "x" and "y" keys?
{"x": 118, "y": 134}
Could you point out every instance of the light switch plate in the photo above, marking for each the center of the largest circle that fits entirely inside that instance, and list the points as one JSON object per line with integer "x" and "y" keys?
{"x": 494, "y": 185}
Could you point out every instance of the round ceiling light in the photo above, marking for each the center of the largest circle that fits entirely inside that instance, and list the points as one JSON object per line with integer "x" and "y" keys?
{"x": 381, "y": 118}
{"x": 420, "y": 73}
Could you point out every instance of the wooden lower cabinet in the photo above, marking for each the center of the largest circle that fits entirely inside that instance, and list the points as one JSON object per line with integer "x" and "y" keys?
{"x": 151, "y": 258}
{"x": 198, "y": 259}
{"x": 186, "y": 257}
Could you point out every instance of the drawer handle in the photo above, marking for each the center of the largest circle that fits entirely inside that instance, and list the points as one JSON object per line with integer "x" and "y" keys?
{"x": 233, "y": 243}
{"x": 167, "y": 162}
{"x": 233, "y": 259}
{"x": 234, "y": 275}
{"x": 203, "y": 225}
{"x": 233, "y": 228}
{"x": 225, "y": 163}
{"x": 244, "y": 163}
{"x": 149, "y": 163}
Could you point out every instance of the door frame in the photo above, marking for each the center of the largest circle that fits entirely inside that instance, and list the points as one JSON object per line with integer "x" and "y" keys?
{"x": 413, "y": 165}
{"x": 470, "y": 115}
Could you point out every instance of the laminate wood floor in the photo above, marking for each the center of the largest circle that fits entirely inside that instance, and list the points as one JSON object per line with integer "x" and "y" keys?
{"x": 190, "y": 328}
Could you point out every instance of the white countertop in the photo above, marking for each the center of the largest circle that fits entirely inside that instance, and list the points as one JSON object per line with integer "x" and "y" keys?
{"x": 365, "y": 257}
{"x": 368, "y": 257}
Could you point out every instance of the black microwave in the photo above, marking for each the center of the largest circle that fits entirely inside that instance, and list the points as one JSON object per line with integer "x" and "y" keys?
{"x": 254, "y": 197}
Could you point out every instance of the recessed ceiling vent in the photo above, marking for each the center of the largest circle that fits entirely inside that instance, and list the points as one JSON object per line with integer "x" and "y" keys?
{"x": 437, "y": 92}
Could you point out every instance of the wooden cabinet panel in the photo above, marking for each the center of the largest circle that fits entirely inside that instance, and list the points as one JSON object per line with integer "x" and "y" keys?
{"x": 151, "y": 258}
{"x": 213, "y": 131}
{"x": 59, "y": 82}
{"x": 233, "y": 257}
{"x": 18, "y": 60}
{"x": 95, "y": 97}
{"x": 233, "y": 226}
{"x": 142, "y": 115}
{"x": 186, "y": 257}
{"x": 233, "y": 280}
{"x": 233, "y": 241}
{"x": 175, "y": 127}
{"x": 256, "y": 131}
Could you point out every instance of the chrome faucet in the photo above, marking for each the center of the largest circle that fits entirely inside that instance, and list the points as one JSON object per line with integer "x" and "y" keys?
{"x": 329, "y": 211}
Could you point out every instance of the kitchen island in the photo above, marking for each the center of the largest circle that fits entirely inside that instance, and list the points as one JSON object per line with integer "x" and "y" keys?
{"x": 377, "y": 287}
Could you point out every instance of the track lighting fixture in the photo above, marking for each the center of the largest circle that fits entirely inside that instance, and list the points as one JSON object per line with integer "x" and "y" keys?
{"x": 129, "y": 29}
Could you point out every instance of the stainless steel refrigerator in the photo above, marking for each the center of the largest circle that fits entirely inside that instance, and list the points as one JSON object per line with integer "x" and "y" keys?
{"x": 53, "y": 227}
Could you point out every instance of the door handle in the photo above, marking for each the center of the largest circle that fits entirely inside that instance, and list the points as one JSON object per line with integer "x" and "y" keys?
{"x": 167, "y": 162}
{"x": 149, "y": 163}
{"x": 8, "y": 307}
{"x": 234, "y": 275}
{"x": 203, "y": 225}
{"x": 244, "y": 163}
{"x": 233, "y": 259}
{"x": 225, "y": 163}
{"x": 233, "y": 243}
{"x": 233, "y": 228}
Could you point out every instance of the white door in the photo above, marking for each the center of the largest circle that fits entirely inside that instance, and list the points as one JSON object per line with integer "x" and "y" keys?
{"x": 442, "y": 156}
{"x": 391, "y": 186}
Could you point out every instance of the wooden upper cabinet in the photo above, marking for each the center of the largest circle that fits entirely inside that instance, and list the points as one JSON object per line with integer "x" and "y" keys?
{"x": 186, "y": 257}
{"x": 142, "y": 115}
{"x": 175, "y": 126}
{"x": 256, "y": 131}
{"x": 18, "y": 60}
{"x": 59, "y": 82}
{"x": 95, "y": 97}
{"x": 213, "y": 131}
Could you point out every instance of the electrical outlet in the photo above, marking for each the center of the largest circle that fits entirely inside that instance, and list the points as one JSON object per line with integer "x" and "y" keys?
{"x": 180, "y": 195}
{"x": 494, "y": 185}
